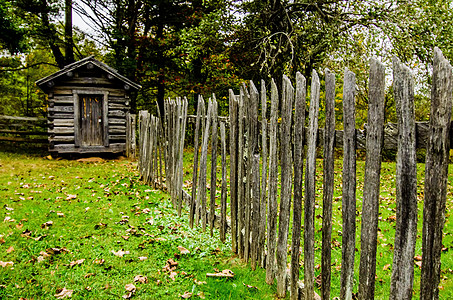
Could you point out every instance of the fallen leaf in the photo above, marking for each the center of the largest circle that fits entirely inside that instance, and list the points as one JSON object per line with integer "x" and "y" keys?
{"x": 2, "y": 241}
{"x": 186, "y": 295}
{"x": 386, "y": 267}
{"x": 63, "y": 293}
{"x": 46, "y": 224}
{"x": 60, "y": 214}
{"x": 128, "y": 295}
{"x": 142, "y": 258}
{"x": 392, "y": 218}
{"x": 318, "y": 280}
{"x": 225, "y": 273}
{"x": 199, "y": 282}
{"x": 250, "y": 286}
{"x": 173, "y": 275}
{"x": 5, "y": 264}
{"x": 201, "y": 295}
{"x": 53, "y": 251}
{"x": 419, "y": 264}
{"x": 71, "y": 197}
{"x": 183, "y": 250}
{"x": 120, "y": 253}
{"x": 89, "y": 275}
{"x": 418, "y": 258}
{"x": 99, "y": 261}
{"x": 141, "y": 279}
{"x": 19, "y": 226}
{"x": 76, "y": 262}
{"x": 10, "y": 249}
{"x": 130, "y": 287}
{"x": 88, "y": 288}
{"x": 8, "y": 219}
{"x": 100, "y": 226}
{"x": 126, "y": 237}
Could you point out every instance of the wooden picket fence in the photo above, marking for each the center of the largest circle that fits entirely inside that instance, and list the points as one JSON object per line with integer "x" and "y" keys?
{"x": 261, "y": 143}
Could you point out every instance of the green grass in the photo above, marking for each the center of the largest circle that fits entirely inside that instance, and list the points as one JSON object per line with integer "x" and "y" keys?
{"x": 386, "y": 234}
{"x": 36, "y": 189}
{"x": 79, "y": 198}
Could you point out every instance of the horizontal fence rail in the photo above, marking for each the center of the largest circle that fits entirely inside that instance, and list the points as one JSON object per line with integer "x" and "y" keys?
{"x": 23, "y": 129}
{"x": 266, "y": 150}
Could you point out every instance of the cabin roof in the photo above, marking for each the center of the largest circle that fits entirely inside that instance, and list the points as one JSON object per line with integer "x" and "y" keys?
{"x": 90, "y": 59}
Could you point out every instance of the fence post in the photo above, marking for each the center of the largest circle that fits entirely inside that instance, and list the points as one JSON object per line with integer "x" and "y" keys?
{"x": 241, "y": 171}
{"x": 233, "y": 109}
{"x": 328, "y": 184}
{"x": 371, "y": 188}
{"x": 214, "y": 143}
{"x": 406, "y": 184}
{"x": 310, "y": 190}
{"x": 349, "y": 186}
{"x": 285, "y": 197}
{"x": 262, "y": 235}
{"x": 273, "y": 177}
{"x": 200, "y": 116}
{"x": 299, "y": 126}
{"x": 223, "y": 196}
{"x": 436, "y": 175}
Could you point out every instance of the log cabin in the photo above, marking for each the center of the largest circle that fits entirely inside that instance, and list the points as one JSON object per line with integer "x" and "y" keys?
{"x": 88, "y": 108}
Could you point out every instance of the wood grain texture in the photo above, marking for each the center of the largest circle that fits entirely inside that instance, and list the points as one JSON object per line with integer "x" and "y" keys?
{"x": 273, "y": 187}
{"x": 233, "y": 141}
{"x": 310, "y": 189}
{"x": 406, "y": 184}
{"x": 214, "y": 145}
{"x": 223, "y": 196}
{"x": 299, "y": 122}
{"x": 371, "y": 188}
{"x": 286, "y": 186}
{"x": 349, "y": 186}
{"x": 200, "y": 114}
{"x": 436, "y": 176}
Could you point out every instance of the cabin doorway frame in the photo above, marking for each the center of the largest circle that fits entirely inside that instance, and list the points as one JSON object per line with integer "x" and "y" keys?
{"x": 77, "y": 96}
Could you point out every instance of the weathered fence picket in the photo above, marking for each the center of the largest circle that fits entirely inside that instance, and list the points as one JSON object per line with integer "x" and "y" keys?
{"x": 286, "y": 184}
{"x": 255, "y": 162}
{"x": 349, "y": 186}
{"x": 328, "y": 184}
{"x": 299, "y": 126}
{"x": 371, "y": 188}
{"x": 310, "y": 190}
{"x": 436, "y": 175}
{"x": 406, "y": 185}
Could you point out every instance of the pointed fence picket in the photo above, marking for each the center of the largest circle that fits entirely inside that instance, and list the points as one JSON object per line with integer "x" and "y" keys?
{"x": 265, "y": 148}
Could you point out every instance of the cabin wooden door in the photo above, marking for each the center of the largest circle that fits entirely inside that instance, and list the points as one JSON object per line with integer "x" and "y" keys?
{"x": 91, "y": 120}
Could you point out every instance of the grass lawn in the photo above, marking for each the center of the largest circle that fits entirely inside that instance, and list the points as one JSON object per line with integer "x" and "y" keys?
{"x": 91, "y": 228}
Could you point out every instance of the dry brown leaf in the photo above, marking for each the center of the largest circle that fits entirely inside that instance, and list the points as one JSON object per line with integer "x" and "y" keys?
{"x": 47, "y": 224}
{"x": 120, "y": 253}
{"x": 386, "y": 267}
{"x": 99, "y": 261}
{"x": 173, "y": 275}
{"x": 126, "y": 237}
{"x": 201, "y": 295}
{"x": 76, "y": 262}
{"x": 10, "y": 249}
{"x": 141, "y": 279}
{"x": 63, "y": 293}
{"x": 53, "y": 251}
{"x": 2, "y": 241}
{"x": 70, "y": 197}
{"x": 89, "y": 275}
{"x": 392, "y": 218}
{"x": 250, "y": 286}
{"x": 419, "y": 264}
{"x": 60, "y": 214}
{"x": 418, "y": 258}
{"x": 5, "y": 264}
{"x": 19, "y": 226}
{"x": 186, "y": 295}
{"x": 130, "y": 287}
{"x": 142, "y": 258}
{"x": 199, "y": 282}
{"x": 128, "y": 295}
{"x": 183, "y": 250}
{"x": 225, "y": 273}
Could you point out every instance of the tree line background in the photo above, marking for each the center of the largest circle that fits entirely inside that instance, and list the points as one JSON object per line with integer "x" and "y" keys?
{"x": 186, "y": 48}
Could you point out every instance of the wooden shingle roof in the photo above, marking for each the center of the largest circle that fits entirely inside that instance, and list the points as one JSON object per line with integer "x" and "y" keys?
{"x": 43, "y": 82}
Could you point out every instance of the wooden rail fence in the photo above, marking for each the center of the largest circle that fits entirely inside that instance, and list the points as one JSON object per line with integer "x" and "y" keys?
{"x": 260, "y": 145}
{"x": 23, "y": 129}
